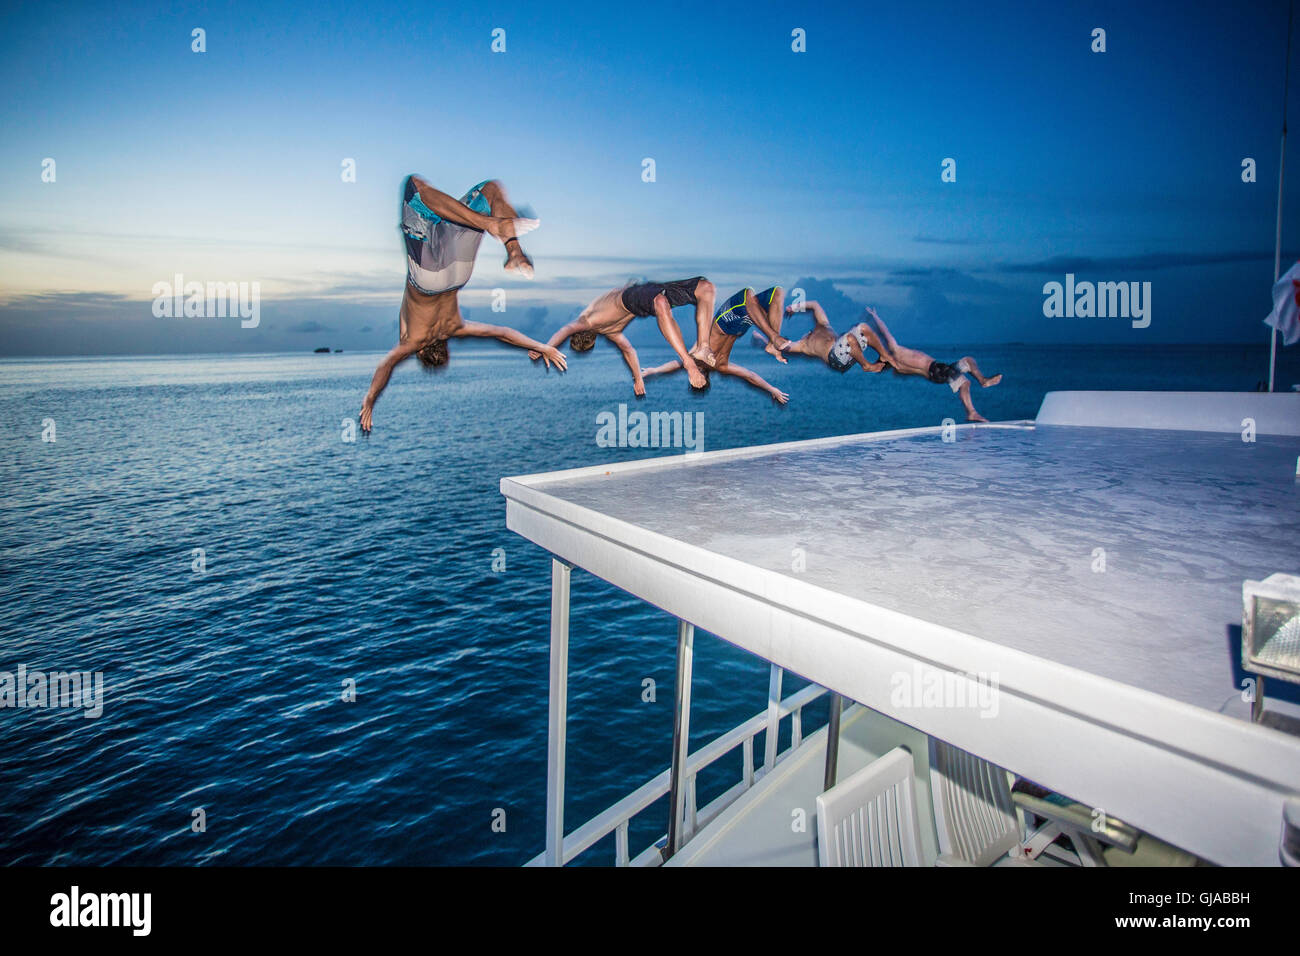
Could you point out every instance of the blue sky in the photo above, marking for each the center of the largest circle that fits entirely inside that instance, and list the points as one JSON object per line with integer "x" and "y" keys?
{"x": 819, "y": 168}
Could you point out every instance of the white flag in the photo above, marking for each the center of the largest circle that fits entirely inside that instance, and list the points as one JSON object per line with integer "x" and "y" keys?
{"x": 1285, "y": 316}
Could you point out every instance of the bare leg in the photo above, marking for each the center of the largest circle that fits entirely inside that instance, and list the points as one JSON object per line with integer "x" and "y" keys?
{"x": 516, "y": 259}
{"x": 723, "y": 354}
{"x": 861, "y": 357}
{"x": 964, "y": 395}
{"x": 899, "y": 356}
{"x": 878, "y": 325}
{"x": 668, "y": 327}
{"x": 979, "y": 376}
{"x": 873, "y": 340}
{"x": 705, "y": 296}
{"x": 453, "y": 210}
{"x": 763, "y": 320}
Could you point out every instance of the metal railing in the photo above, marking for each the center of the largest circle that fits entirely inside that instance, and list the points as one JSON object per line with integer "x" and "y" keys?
{"x": 618, "y": 818}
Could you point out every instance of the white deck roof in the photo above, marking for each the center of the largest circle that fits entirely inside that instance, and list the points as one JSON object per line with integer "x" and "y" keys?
{"x": 996, "y": 534}
{"x": 935, "y": 558}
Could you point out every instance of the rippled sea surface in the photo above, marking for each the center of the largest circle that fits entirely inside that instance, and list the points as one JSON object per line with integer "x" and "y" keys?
{"x": 325, "y": 561}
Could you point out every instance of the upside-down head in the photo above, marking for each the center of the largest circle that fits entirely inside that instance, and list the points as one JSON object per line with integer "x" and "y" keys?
{"x": 434, "y": 354}
{"x": 582, "y": 341}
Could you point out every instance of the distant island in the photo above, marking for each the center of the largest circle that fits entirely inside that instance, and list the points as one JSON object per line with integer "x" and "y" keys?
{"x": 325, "y": 350}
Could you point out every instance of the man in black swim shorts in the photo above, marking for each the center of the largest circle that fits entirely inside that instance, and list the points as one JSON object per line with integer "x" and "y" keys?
{"x": 610, "y": 314}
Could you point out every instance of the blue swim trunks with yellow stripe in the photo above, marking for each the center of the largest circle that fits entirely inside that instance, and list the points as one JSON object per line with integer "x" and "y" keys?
{"x": 732, "y": 316}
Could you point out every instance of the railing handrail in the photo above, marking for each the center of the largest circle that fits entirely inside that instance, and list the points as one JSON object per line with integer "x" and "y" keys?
{"x": 620, "y": 813}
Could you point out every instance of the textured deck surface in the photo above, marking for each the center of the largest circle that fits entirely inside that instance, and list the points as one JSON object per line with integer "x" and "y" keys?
{"x": 998, "y": 535}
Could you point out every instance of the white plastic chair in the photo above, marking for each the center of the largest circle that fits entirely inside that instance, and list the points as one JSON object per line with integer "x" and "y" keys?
{"x": 869, "y": 818}
{"x": 974, "y": 814}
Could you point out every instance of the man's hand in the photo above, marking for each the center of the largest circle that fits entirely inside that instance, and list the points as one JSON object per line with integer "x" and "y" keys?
{"x": 549, "y": 354}
{"x": 872, "y": 312}
{"x": 779, "y": 396}
{"x": 367, "y": 414}
{"x": 638, "y": 387}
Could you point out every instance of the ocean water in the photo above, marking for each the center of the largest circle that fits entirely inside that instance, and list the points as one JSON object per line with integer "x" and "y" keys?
{"x": 326, "y": 561}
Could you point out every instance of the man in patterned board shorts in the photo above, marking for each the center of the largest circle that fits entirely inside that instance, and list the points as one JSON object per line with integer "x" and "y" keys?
{"x": 441, "y": 236}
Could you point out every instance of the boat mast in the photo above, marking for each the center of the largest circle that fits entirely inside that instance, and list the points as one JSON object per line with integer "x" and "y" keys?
{"x": 1281, "y": 170}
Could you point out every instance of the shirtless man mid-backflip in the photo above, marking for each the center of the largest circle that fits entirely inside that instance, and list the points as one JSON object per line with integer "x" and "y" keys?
{"x": 839, "y": 352}
{"x": 907, "y": 361}
{"x": 609, "y": 314}
{"x": 441, "y": 236}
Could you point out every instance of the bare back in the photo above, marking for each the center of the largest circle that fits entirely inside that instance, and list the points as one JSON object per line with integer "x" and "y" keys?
{"x": 817, "y": 343}
{"x": 607, "y": 314}
{"x": 428, "y": 318}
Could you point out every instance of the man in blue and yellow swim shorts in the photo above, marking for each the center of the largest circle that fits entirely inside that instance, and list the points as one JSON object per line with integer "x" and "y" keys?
{"x": 747, "y": 310}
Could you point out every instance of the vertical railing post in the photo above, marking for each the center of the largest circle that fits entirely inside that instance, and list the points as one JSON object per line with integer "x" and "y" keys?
{"x": 557, "y": 719}
{"x": 681, "y": 736}
{"x": 833, "y": 742}
{"x": 773, "y": 716}
{"x": 620, "y": 844}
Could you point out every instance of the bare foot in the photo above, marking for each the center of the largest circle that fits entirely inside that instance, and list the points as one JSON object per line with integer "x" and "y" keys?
{"x": 976, "y": 417}
{"x": 517, "y": 260}
{"x": 695, "y": 375}
{"x": 990, "y": 382}
{"x": 702, "y": 353}
{"x": 776, "y": 353}
{"x": 503, "y": 229}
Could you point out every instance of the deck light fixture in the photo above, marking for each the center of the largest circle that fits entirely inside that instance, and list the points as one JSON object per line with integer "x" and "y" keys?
{"x": 1270, "y": 631}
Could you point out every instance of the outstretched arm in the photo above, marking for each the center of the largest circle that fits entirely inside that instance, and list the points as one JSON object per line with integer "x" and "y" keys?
{"x": 630, "y": 357}
{"x": 664, "y": 369}
{"x": 818, "y": 313}
{"x": 503, "y": 333}
{"x": 380, "y": 381}
{"x": 561, "y": 334}
{"x": 756, "y": 380}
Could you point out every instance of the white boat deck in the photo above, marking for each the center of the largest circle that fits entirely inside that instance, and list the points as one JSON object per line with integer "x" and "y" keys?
{"x": 874, "y": 564}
